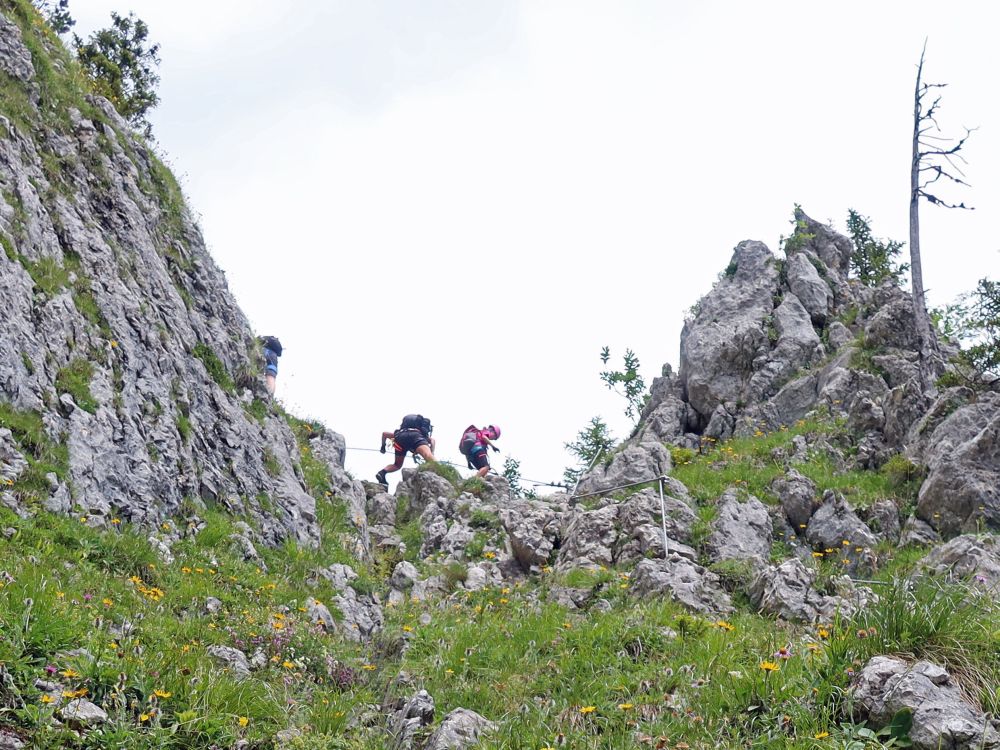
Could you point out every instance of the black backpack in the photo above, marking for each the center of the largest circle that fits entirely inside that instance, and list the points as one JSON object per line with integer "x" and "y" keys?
{"x": 417, "y": 422}
{"x": 272, "y": 343}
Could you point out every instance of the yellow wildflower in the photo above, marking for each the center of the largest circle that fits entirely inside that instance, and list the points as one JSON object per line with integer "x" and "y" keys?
{"x": 587, "y": 709}
{"x": 243, "y": 721}
{"x": 769, "y": 666}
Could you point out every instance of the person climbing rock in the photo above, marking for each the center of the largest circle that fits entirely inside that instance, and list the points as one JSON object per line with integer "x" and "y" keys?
{"x": 413, "y": 436}
{"x": 474, "y": 444}
{"x": 272, "y": 350}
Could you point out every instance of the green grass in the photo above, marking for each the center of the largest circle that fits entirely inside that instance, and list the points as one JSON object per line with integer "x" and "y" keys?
{"x": 947, "y": 625}
{"x": 315, "y": 473}
{"x": 545, "y": 674}
{"x": 748, "y": 463}
{"x": 257, "y": 409}
{"x": 216, "y": 369}
{"x": 184, "y": 427}
{"x": 48, "y": 275}
{"x": 44, "y": 455}
{"x": 74, "y": 379}
{"x": 443, "y": 470}
{"x": 8, "y": 247}
{"x": 271, "y": 463}
{"x": 95, "y": 578}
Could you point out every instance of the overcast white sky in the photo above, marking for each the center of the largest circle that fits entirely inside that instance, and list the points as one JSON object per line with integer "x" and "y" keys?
{"x": 450, "y": 206}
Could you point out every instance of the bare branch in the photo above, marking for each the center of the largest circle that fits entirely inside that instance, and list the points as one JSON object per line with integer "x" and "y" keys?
{"x": 938, "y": 202}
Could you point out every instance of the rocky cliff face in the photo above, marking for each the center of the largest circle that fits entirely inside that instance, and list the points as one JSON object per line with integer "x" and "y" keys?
{"x": 129, "y": 377}
{"x": 779, "y": 339}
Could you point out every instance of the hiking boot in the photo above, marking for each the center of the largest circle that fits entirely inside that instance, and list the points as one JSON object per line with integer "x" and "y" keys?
{"x": 381, "y": 478}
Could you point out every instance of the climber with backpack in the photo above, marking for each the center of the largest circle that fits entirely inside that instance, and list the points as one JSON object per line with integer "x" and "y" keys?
{"x": 272, "y": 350}
{"x": 413, "y": 436}
{"x": 474, "y": 444}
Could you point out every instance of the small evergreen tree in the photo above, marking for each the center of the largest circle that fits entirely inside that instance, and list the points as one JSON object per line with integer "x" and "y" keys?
{"x": 985, "y": 324}
{"x": 56, "y": 14}
{"x": 873, "y": 260}
{"x": 122, "y": 64}
{"x": 512, "y": 473}
{"x": 628, "y": 382}
{"x": 591, "y": 442}
{"x": 975, "y": 319}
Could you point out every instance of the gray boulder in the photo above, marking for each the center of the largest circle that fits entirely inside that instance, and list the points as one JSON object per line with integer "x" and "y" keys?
{"x": 330, "y": 448}
{"x": 83, "y": 714}
{"x": 682, "y": 580}
{"x": 231, "y": 659}
{"x": 421, "y": 488}
{"x": 319, "y": 614}
{"x": 339, "y": 575}
{"x": 918, "y": 533}
{"x": 883, "y": 519}
{"x": 459, "y": 730}
{"x": 962, "y": 489}
{"x": 942, "y": 718}
{"x": 798, "y": 497}
{"x": 381, "y": 509}
{"x": 482, "y": 575}
{"x": 810, "y": 289}
{"x": 742, "y": 531}
{"x": 641, "y": 523}
{"x": 642, "y": 462}
{"x": 838, "y": 335}
{"x": 404, "y": 575}
{"x": 533, "y": 529}
{"x": 589, "y": 538}
{"x": 973, "y": 559}
{"x": 829, "y": 246}
{"x": 903, "y": 407}
{"x": 623, "y": 533}
{"x": 8, "y": 739}
{"x": 893, "y": 326}
{"x": 408, "y": 719}
{"x": 361, "y": 614}
{"x": 788, "y": 591}
{"x": 835, "y": 529}
{"x": 665, "y": 418}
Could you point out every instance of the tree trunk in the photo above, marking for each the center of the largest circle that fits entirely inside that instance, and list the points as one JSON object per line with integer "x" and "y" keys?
{"x": 922, "y": 321}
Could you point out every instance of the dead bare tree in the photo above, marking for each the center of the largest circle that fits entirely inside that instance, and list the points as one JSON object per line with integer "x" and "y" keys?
{"x": 934, "y": 157}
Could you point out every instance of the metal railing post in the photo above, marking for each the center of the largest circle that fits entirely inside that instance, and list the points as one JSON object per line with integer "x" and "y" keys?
{"x": 663, "y": 517}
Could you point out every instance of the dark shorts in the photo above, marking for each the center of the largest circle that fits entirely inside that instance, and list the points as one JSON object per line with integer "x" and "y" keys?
{"x": 479, "y": 459}
{"x": 271, "y": 360}
{"x": 408, "y": 440}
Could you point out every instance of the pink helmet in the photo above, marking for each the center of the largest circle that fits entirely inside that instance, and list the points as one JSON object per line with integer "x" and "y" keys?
{"x": 495, "y": 430}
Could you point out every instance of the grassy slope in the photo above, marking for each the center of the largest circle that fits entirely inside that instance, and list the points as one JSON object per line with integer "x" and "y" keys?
{"x": 642, "y": 670}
